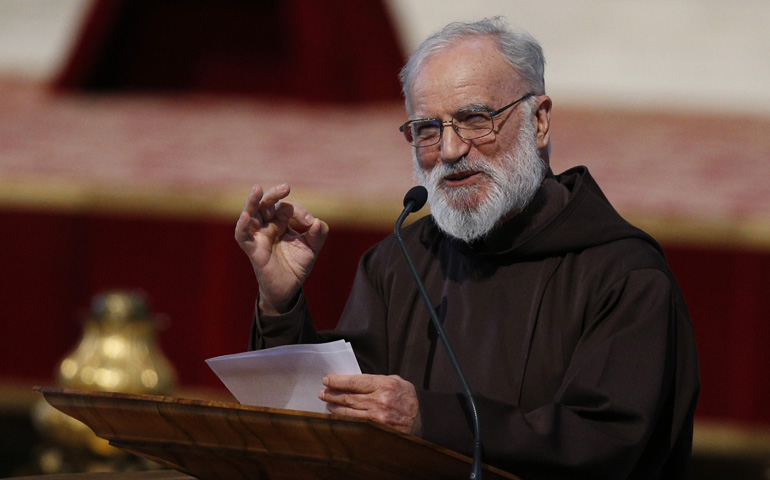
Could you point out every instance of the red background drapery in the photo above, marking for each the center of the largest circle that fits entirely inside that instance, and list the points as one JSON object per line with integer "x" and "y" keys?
{"x": 195, "y": 274}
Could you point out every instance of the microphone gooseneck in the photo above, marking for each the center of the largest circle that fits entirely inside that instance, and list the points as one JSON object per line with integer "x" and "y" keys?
{"x": 413, "y": 201}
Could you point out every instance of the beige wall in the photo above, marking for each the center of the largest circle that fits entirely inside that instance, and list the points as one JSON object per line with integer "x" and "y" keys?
{"x": 36, "y": 35}
{"x": 693, "y": 54}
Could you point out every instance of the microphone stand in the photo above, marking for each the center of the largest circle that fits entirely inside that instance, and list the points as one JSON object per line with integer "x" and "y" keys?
{"x": 409, "y": 206}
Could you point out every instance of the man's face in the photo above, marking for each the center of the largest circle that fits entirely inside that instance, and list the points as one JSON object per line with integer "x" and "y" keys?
{"x": 472, "y": 183}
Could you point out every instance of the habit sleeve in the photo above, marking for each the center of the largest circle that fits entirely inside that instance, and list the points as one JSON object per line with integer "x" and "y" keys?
{"x": 296, "y": 326}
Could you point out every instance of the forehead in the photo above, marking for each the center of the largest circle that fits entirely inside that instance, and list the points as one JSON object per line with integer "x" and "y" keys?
{"x": 468, "y": 72}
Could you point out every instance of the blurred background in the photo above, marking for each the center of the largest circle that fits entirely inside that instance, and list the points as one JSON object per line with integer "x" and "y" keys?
{"x": 132, "y": 131}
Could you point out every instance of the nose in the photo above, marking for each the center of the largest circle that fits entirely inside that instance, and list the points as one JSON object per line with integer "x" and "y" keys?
{"x": 453, "y": 147}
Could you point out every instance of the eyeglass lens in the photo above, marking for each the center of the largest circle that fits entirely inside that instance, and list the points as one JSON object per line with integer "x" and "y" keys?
{"x": 469, "y": 126}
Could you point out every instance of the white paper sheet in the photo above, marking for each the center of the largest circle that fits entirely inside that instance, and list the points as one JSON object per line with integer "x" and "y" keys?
{"x": 285, "y": 377}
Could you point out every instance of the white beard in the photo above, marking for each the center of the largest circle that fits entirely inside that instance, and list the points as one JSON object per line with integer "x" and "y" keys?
{"x": 514, "y": 179}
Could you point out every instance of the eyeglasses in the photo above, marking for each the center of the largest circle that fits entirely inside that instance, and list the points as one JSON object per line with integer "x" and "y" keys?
{"x": 469, "y": 125}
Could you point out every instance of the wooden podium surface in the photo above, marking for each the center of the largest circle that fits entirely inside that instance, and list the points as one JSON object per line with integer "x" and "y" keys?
{"x": 216, "y": 440}
{"x": 148, "y": 475}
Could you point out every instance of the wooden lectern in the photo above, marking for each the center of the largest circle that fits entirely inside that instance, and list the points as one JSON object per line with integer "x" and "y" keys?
{"x": 217, "y": 440}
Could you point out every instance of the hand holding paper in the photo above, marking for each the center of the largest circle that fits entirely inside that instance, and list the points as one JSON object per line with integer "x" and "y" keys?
{"x": 285, "y": 377}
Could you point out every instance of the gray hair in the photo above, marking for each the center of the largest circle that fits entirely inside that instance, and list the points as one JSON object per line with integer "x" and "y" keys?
{"x": 517, "y": 47}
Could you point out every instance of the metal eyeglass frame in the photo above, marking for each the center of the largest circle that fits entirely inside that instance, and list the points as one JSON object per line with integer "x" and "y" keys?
{"x": 450, "y": 122}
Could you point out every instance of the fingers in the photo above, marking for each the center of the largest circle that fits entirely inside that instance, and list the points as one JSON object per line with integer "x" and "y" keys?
{"x": 389, "y": 400}
{"x": 348, "y": 390}
{"x": 353, "y": 383}
{"x": 260, "y": 209}
{"x": 249, "y": 213}
{"x": 364, "y": 392}
{"x": 313, "y": 229}
{"x": 276, "y": 218}
{"x": 272, "y": 196}
{"x": 270, "y": 209}
{"x": 302, "y": 215}
{"x": 264, "y": 206}
{"x": 252, "y": 201}
{"x": 261, "y": 205}
{"x": 242, "y": 228}
{"x": 269, "y": 203}
{"x": 341, "y": 410}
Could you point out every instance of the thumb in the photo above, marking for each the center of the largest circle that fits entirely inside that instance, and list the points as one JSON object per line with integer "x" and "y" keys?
{"x": 315, "y": 236}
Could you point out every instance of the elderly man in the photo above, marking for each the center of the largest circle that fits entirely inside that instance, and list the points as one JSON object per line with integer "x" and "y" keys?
{"x": 570, "y": 327}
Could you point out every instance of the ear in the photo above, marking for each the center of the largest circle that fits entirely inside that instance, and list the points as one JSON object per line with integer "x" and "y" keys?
{"x": 543, "y": 121}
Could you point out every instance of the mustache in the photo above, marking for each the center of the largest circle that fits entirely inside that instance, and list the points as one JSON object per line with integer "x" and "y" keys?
{"x": 441, "y": 170}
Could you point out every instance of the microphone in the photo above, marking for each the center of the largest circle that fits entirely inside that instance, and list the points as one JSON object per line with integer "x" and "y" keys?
{"x": 413, "y": 201}
{"x": 417, "y": 196}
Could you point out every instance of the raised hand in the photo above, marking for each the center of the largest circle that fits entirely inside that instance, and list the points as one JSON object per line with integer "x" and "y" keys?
{"x": 281, "y": 254}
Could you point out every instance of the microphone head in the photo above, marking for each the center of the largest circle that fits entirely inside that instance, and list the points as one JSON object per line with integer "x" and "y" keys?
{"x": 418, "y": 196}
